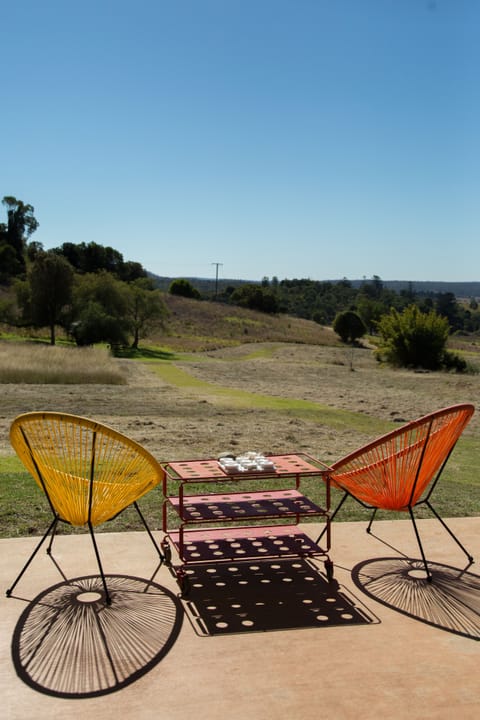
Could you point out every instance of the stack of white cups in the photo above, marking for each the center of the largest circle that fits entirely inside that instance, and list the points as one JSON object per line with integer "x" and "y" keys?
{"x": 247, "y": 462}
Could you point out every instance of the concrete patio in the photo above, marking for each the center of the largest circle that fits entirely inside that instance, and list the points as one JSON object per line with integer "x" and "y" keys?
{"x": 417, "y": 656}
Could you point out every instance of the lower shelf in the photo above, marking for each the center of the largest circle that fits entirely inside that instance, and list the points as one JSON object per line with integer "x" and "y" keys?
{"x": 243, "y": 543}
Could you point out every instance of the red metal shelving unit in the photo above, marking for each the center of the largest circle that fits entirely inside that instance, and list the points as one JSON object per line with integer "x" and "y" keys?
{"x": 258, "y": 522}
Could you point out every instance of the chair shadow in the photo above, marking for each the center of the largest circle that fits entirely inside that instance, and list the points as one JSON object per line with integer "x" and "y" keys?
{"x": 69, "y": 643}
{"x": 450, "y": 602}
{"x": 260, "y": 596}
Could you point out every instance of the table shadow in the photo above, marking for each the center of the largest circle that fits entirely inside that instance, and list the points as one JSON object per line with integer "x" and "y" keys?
{"x": 450, "y": 602}
{"x": 259, "y": 596}
{"x": 69, "y": 643}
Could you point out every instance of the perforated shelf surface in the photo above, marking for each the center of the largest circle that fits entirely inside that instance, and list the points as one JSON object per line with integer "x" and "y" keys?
{"x": 198, "y": 470}
{"x": 220, "y": 544}
{"x": 248, "y": 505}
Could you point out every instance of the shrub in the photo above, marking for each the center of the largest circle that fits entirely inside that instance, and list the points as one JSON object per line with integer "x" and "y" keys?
{"x": 453, "y": 361}
{"x": 413, "y": 339}
{"x": 349, "y": 326}
{"x": 95, "y": 325}
{"x": 255, "y": 297}
{"x": 184, "y": 288}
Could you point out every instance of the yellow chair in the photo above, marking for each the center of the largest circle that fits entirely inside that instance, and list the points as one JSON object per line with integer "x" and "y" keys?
{"x": 89, "y": 472}
{"x": 399, "y": 471}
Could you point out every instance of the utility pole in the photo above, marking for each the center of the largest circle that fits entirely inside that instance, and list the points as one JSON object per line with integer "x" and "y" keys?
{"x": 217, "y": 265}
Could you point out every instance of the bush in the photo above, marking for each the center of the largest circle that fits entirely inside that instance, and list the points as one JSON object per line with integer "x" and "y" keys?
{"x": 349, "y": 326}
{"x": 95, "y": 325}
{"x": 255, "y": 297}
{"x": 184, "y": 288}
{"x": 453, "y": 361}
{"x": 413, "y": 339}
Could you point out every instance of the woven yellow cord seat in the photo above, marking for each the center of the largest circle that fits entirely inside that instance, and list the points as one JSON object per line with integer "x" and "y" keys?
{"x": 89, "y": 472}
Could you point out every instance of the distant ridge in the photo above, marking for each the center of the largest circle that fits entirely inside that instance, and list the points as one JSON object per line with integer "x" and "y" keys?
{"x": 459, "y": 289}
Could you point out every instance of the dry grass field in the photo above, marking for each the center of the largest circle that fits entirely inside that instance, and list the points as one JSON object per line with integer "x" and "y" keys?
{"x": 272, "y": 397}
{"x": 193, "y": 395}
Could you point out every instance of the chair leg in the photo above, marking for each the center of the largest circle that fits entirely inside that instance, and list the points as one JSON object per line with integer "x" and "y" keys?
{"x": 162, "y": 558}
{"x": 470, "y": 558}
{"x": 369, "y": 528}
{"x": 429, "y": 577}
{"x": 51, "y": 528}
{"x": 54, "y": 530}
{"x": 99, "y": 563}
{"x": 332, "y": 517}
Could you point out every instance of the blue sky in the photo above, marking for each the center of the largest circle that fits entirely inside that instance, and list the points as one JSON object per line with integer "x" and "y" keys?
{"x": 292, "y": 138}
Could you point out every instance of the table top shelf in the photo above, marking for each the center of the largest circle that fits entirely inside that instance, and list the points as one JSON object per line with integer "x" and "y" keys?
{"x": 290, "y": 465}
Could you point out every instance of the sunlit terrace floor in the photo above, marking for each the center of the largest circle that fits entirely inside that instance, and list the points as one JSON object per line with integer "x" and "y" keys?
{"x": 256, "y": 641}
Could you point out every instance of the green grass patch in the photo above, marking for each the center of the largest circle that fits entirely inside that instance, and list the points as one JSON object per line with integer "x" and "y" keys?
{"x": 263, "y": 352}
{"x": 304, "y": 409}
{"x": 24, "y": 510}
{"x": 241, "y": 321}
{"x": 146, "y": 353}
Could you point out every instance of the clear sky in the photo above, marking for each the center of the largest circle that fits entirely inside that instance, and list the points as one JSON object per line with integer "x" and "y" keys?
{"x": 292, "y": 138}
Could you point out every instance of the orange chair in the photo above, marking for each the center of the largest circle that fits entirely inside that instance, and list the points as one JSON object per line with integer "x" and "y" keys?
{"x": 400, "y": 470}
{"x": 89, "y": 472}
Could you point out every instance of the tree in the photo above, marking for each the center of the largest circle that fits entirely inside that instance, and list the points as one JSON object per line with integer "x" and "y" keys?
{"x": 372, "y": 288}
{"x": 413, "y": 339}
{"x": 9, "y": 264}
{"x": 21, "y": 223}
{"x": 100, "y": 309}
{"x": 50, "y": 281}
{"x": 130, "y": 271}
{"x": 255, "y": 297}
{"x": 146, "y": 308}
{"x": 184, "y": 288}
{"x": 370, "y": 311}
{"x": 92, "y": 257}
{"x": 446, "y": 305}
{"x": 349, "y": 326}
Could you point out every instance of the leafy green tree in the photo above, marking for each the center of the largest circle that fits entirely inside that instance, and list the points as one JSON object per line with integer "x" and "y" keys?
{"x": 370, "y": 311}
{"x": 100, "y": 309}
{"x": 33, "y": 249}
{"x": 45, "y": 296}
{"x": 146, "y": 309}
{"x": 373, "y": 288}
{"x": 10, "y": 267}
{"x": 21, "y": 223}
{"x": 92, "y": 257}
{"x": 349, "y": 326}
{"x": 95, "y": 325}
{"x": 447, "y": 306}
{"x": 130, "y": 271}
{"x": 184, "y": 288}
{"x": 50, "y": 282}
{"x": 8, "y": 310}
{"x": 413, "y": 339}
{"x": 255, "y": 297}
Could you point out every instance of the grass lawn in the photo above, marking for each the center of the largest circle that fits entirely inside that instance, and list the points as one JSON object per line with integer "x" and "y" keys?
{"x": 24, "y": 509}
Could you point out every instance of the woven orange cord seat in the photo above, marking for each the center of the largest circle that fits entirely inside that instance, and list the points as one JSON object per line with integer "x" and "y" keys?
{"x": 399, "y": 470}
